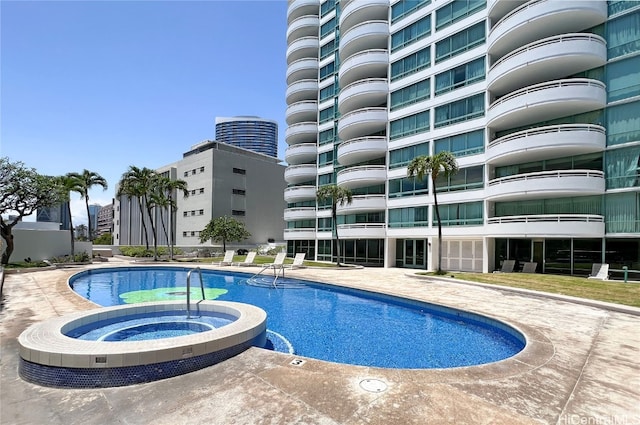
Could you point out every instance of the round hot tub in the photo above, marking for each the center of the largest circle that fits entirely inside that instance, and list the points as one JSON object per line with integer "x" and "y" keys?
{"x": 137, "y": 343}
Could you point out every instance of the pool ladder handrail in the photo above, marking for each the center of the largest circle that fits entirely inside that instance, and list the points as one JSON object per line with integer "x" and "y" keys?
{"x": 189, "y": 289}
{"x": 276, "y": 274}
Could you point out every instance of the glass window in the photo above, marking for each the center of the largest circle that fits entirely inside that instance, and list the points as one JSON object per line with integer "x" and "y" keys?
{"x": 460, "y": 76}
{"x": 327, "y": 7}
{"x": 325, "y": 158}
{"x": 328, "y": 27}
{"x": 411, "y": 33}
{"x": 411, "y": 64}
{"x": 463, "y": 214}
{"x": 457, "y": 10}
{"x": 460, "y": 110}
{"x": 622, "y": 212}
{"x": 465, "y": 179}
{"x": 413, "y": 124}
{"x": 411, "y": 94}
{"x": 462, "y": 144}
{"x": 401, "y": 157}
{"x": 409, "y": 217}
{"x": 327, "y": 92}
{"x": 327, "y": 114}
{"x": 623, "y": 123}
{"x": 405, "y": 7}
{"x": 327, "y": 71}
{"x": 325, "y": 179}
{"x": 327, "y": 49}
{"x": 623, "y": 167}
{"x": 407, "y": 187}
{"x": 621, "y": 5}
{"x": 326, "y": 136}
{"x": 460, "y": 42}
{"x": 623, "y": 79}
{"x": 623, "y": 35}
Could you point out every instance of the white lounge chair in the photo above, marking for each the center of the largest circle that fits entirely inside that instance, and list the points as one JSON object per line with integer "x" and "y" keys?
{"x": 507, "y": 266}
{"x": 529, "y": 267}
{"x": 298, "y": 261}
{"x": 227, "y": 260}
{"x": 247, "y": 261}
{"x": 599, "y": 271}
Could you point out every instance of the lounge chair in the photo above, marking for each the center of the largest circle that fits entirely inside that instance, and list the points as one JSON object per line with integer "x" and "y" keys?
{"x": 228, "y": 258}
{"x": 529, "y": 267}
{"x": 247, "y": 261}
{"x": 298, "y": 261}
{"x": 599, "y": 271}
{"x": 507, "y": 266}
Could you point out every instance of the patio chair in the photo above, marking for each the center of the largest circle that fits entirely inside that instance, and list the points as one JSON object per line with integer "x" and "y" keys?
{"x": 529, "y": 267}
{"x": 599, "y": 271}
{"x": 247, "y": 261}
{"x": 298, "y": 261}
{"x": 227, "y": 260}
{"x": 507, "y": 266}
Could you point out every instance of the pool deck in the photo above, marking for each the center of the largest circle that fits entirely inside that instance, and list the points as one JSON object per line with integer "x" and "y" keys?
{"x": 582, "y": 367}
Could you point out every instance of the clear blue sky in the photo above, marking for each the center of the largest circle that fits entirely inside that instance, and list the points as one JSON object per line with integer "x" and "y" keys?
{"x": 103, "y": 85}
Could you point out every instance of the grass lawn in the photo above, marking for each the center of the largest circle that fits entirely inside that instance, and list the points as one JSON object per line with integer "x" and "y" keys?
{"x": 609, "y": 291}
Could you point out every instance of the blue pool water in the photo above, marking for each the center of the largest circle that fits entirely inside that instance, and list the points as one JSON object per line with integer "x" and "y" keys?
{"x": 148, "y": 326}
{"x": 323, "y": 321}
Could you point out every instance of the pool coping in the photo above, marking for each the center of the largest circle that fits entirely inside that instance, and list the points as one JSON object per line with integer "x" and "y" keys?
{"x": 46, "y": 344}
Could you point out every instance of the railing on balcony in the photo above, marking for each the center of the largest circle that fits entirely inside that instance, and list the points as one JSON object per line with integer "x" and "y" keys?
{"x": 547, "y": 218}
{"x": 548, "y": 130}
{"x": 556, "y": 174}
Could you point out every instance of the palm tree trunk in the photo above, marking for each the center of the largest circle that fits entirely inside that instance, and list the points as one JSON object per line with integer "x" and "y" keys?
{"x": 435, "y": 201}
{"x": 73, "y": 240}
{"x": 144, "y": 226}
{"x": 86, "y": 201}
{"x": 153, "y": 231}
{"x": 164, "y": 228}
{"x": 334, "y": 218}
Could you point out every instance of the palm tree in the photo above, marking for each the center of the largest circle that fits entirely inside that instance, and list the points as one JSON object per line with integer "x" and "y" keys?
{"x": 443, "y": 163}
{"x": 163, "y": 197}
{"x": 138, "y": 182}
{"x": 338, "y": 196}
{"x": 69, "y": 183}
{"x": 87, "y": 180}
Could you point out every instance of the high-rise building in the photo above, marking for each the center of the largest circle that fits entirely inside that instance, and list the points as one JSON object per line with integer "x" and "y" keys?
{"x": 55, "y": 214}
{"x": 105, "y": 220}
{"x": 538, "y": 100}
{"x": 252, "y": 133}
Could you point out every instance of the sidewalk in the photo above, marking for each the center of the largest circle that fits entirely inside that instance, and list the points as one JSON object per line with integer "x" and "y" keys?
{"x": 583, "y": 368}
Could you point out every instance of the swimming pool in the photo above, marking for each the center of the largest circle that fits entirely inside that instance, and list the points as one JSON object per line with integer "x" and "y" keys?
{"x": 325, "y": 321}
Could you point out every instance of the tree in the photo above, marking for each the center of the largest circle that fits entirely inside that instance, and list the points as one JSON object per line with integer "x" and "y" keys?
{"x": 138, "y": 183}
{"x": 441, "y": 164}
{"x": 224, "y": 229}
{"x": 81, "y": 231}
{"x": 338, "y": 196}
{"x": 22, "y": 192}
{"x": 163, "y": 197}
{"x": 103, "y": 239}
{"x": 88, "y": 179}
{"x": 70, "y": 183}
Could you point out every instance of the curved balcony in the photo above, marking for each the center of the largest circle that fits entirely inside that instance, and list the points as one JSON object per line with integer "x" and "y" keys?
{"x": 362, "y": 176}
{"x": 299, "y": 193}
{"x": 306, "y": 110}
{"x": 301, "y": 153}
{"x": 362, "y": 11}
{"x": 538, "y": 19}
{"x": 547, "y": 184}
{"x": 303, "y": 69}
{"x": 497, "y": 9}
{"x": 369, "y": 92}
{"x": 301, "y": 213}
{"x": 363, "y": 203}
{"x": 362, "y": 230}
{"x": 365, "y": 36}
{"x": 562, "y": 225}
{"x": 303, "y": 233}
{"x": 295, "y": 174}
{"x": 299, "y": 8}
{"x": 545, "y": 101}
{"x": 368, "y": 64}
{"x": 303, "y": 132}
{"x": 362, "y": 122}
{"x": 306, "y": 47}
{"x": 302, "y": 90}
{"x": 304, "y": 26}
{"x": 362, "y": 149}
{"x": 546, "y": 142}
{"x": 546, "y": 60}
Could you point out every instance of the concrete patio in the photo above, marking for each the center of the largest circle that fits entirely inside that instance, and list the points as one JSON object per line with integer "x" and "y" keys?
{"x": 582, "y": 367}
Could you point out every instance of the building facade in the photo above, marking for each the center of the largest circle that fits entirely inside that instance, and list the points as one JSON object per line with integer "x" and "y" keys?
{"x": 105, "y": 220}
{"x": 222, "y": 180}
{"x": 538, "y": 100}
{"x": 252, "y": 133}
{"x": 56, "y": 214}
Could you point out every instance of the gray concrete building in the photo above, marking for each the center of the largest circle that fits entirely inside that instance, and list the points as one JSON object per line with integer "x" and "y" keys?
{"x": 222, "y": 180}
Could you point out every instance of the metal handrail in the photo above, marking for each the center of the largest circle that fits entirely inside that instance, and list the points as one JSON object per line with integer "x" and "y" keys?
{"x": 189, "y": 289}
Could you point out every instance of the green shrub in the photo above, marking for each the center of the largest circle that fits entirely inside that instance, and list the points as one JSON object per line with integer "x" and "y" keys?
{"x": 77, "y": 258}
